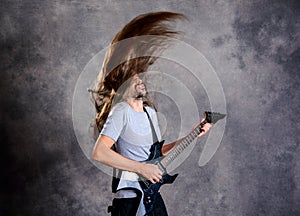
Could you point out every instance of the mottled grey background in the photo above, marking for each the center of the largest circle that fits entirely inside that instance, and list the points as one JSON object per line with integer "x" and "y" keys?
{"x": 252, "y": 45}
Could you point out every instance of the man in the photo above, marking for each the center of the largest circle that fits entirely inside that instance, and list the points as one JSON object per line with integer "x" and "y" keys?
{"x": 125, "y": 123}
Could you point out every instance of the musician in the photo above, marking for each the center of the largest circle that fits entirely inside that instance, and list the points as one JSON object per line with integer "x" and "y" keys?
{"x": 125, "y": 115}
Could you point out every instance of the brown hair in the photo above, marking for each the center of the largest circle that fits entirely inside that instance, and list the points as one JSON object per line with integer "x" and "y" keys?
{"x": 122, "y": 60}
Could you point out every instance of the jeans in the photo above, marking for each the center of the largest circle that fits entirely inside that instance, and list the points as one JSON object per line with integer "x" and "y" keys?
{"x": 129, "y": 207}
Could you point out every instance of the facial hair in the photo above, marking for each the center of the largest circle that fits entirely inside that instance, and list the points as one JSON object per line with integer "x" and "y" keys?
{"x": 140, "y": 94}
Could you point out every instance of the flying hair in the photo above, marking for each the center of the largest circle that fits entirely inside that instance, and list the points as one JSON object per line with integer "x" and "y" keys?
{"x": 125, "y": 58}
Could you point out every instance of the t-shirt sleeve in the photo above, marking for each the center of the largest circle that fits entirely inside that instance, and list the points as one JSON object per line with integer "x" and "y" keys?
{"x": 114, "y": 123}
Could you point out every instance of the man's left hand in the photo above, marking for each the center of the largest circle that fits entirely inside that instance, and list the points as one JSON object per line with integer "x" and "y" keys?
{"x": 204, "y": 129}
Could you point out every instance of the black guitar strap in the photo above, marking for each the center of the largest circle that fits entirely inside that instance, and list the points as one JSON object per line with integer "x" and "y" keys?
{"x": 154, "y": 135}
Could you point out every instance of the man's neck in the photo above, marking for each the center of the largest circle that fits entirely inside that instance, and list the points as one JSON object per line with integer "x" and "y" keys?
{"x": 136, "y": 104}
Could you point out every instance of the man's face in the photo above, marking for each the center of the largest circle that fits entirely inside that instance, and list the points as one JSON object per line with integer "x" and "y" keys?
{"x": 137, "y": 88}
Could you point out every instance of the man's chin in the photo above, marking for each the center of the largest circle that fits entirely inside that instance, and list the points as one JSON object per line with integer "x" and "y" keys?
{"x": 141, "y": 95}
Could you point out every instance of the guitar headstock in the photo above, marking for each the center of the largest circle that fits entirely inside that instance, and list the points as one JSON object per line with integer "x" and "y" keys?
{"x": 213, "y": 117}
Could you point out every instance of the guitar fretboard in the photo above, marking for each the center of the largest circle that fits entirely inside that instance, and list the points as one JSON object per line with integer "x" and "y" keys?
{"x": 181, "y": 146}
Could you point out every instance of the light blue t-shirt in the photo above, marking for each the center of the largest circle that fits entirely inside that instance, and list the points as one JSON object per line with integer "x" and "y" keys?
{"x": 131, "y": 131}
{"x": 132, "y": 134}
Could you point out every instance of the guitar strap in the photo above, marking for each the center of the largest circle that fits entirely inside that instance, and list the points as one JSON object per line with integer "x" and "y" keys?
{"x": 154, "y": 135}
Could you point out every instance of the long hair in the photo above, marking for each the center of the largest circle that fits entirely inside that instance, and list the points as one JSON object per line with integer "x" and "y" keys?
{"x": 123, "y": 59}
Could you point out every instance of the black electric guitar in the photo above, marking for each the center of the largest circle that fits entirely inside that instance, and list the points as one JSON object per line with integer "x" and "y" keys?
{"x": 151, "y": 189}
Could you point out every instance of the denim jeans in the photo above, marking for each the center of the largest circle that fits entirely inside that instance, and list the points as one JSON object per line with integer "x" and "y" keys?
{"x": 129, "y": 207}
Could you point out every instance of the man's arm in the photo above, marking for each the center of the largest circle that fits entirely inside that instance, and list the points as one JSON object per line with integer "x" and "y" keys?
{"x": 103, "y": 153}
{"x": 167, "y": 148}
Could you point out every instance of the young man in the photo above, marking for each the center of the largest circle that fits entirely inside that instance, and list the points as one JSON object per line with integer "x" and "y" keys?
{"x": 129, "y": 128}
{"x": 126, "y": 123}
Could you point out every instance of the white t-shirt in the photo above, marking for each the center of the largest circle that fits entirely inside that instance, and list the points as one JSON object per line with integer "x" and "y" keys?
{"x": 132, "y": 133}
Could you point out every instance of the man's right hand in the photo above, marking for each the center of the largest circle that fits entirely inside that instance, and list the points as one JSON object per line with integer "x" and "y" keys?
{"x": 151, "y": 172}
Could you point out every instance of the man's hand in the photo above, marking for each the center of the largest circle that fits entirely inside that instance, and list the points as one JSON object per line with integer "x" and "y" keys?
{"x": 204, "y": 129}
{"x": 151, "y": 172}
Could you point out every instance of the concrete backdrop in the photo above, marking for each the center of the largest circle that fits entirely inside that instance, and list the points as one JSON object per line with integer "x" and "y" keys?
{"x": 252, "y": 45}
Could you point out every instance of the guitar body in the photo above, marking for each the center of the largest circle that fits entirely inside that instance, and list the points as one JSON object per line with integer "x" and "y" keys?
{"x": 152, "y": 190}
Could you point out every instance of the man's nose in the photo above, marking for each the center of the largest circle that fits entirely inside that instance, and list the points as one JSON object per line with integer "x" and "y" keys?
{"x": 139, "y": 81}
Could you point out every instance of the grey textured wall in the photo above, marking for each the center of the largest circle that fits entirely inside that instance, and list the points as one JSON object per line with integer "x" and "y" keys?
{"x": 254, "y": 48}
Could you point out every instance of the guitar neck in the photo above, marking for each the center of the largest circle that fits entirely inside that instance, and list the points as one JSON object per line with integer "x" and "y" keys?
{"x": 181, "y": 146}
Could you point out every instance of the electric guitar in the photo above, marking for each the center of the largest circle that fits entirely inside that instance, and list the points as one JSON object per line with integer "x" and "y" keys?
{"x": 151, "y": 189}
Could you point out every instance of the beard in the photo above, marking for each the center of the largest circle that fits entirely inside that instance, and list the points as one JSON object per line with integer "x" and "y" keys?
{"x": 140, "y": 93}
